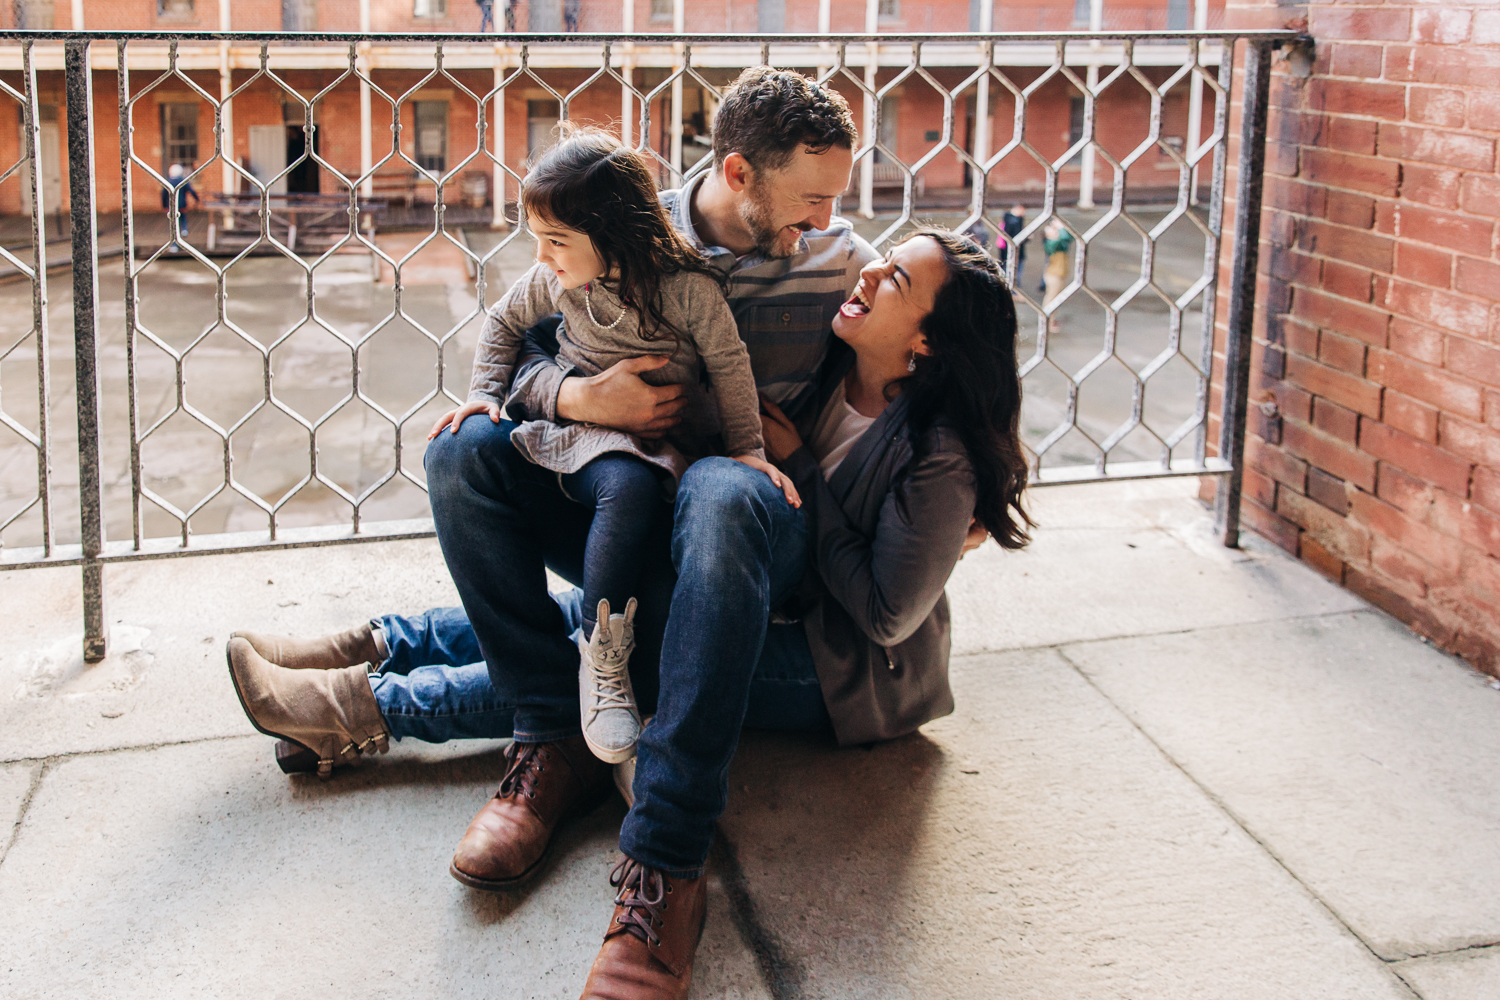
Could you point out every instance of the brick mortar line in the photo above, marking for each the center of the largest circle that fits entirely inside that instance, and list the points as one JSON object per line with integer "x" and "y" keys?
{"x": 1244, "y": 827}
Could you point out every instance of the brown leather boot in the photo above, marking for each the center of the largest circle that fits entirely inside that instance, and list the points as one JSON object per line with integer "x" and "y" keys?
{"x": 648, "y": 949}
{"x": 544, "y": 785}
{"x": 326, "y": 652}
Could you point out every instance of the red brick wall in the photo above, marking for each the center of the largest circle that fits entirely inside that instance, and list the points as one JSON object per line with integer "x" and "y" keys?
{"x": 1374, "y": 446}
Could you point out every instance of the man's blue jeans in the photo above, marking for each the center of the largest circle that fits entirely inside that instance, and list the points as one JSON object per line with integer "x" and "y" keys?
{"x": 737, "y": 549}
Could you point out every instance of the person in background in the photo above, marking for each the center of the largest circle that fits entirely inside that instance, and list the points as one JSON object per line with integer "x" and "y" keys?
{"x": 1013, "y": 222}
{"x": 510, "y": 15}
{"x": 486, "y": 15}
{"x": 181, "y": 189}
{"x": 1056, "y": 242}
{"x": 570, "y": 14}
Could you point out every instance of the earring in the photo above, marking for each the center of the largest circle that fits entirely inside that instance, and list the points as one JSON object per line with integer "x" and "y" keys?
{"x": 911, "y": 363}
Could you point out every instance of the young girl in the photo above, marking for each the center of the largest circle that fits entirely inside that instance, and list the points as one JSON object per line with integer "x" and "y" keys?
{"x": 627, "y": 284}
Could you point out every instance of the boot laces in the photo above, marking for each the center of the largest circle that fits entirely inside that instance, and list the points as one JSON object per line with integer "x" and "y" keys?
{"x": 643, "y": 897}
{"x": 525, "y": 766}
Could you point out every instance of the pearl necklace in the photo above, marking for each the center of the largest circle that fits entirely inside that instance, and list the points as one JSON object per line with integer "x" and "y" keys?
{"x": 590, "y": 307}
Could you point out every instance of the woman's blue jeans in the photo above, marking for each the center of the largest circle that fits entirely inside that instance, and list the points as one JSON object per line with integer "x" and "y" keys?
{"x": 434, "y": 685}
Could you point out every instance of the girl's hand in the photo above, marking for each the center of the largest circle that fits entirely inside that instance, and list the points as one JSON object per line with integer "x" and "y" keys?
{"x": 777, "y": 476}
{"x": 780, "y": 436}
{"x": 455, "y": 417}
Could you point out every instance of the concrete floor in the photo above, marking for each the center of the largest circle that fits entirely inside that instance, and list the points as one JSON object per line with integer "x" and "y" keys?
{"x": 1175, "y": 771}
{"x": 310, "y": 355}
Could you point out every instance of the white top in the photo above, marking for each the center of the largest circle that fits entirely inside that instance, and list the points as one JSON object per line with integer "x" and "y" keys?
{"x": 839, "y": 426}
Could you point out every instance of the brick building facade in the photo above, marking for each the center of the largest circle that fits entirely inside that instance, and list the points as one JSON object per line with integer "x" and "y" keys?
{"x": 1374, "y": 445}
{"x": 446, "y": 133}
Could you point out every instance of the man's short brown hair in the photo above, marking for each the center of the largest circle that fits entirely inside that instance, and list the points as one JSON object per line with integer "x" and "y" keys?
{"x": 767, "y": 114}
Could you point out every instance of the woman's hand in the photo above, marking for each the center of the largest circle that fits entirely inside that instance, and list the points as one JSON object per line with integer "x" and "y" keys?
{"x": 777, "y": 476}
{"x": 455, "y": 417}
{"x": 977, "y": 536}
{"x": 780, "y": 436}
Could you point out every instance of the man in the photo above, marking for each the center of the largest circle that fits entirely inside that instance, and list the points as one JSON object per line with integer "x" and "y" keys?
{"x": 783, "y": 149}
{"x": 1013, "y": 222}
{"x": 486, "y": 15}
{"x": 179, "y": 191}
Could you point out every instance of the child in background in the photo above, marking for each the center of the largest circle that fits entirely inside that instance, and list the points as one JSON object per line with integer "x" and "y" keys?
{"x": 1056, "y": 242}
{"x": 627, "y": 285}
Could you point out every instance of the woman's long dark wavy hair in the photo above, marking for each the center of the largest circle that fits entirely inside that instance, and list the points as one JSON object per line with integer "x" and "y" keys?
{"x": 591, "y": 183}
{"x": 972, "y": 379}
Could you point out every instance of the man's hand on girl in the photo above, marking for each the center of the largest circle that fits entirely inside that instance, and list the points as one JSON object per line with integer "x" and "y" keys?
{"x": 455, "y": 417}
{"x": 777, "y": 476}
{"x": 620, "y": 399}
{"x": 780, "y": 436}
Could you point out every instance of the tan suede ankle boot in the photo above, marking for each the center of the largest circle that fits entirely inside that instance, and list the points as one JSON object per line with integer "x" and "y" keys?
{"x": 326, "y": 652}
{"x": 331, "y": 712}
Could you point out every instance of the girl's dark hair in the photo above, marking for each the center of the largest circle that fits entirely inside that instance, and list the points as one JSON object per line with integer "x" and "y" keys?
{"x": 972, "y": 379}
{"x": 591, "y": 183}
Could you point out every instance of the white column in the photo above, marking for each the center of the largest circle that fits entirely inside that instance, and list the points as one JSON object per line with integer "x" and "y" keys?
{"x": 497, "y": 123}
{"x": 1086, "y": 174}
{"x": 78, "y": 18}
{"x": 627, "y": 103}
{"x": 678, "y": 21}
{"x": 982, "y": 107}
{"x": 1195, "y": 102}
{"x": 366, "y": 139}
{"x": 227, "y": 176}
{"x": 825, "y": 26}
{"x": 871, "y": 107}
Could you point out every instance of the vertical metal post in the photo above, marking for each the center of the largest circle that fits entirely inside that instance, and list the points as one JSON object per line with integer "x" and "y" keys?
{"x": 1242, "y": 286}
{"x": 30, "y": 113}
{"x": 132, "y": 288}
{"x": 80, "y": 86}
{"x": 497, "y": 187}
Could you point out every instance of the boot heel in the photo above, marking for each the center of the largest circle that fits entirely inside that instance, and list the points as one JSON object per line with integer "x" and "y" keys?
{"x": 294, "y": 758}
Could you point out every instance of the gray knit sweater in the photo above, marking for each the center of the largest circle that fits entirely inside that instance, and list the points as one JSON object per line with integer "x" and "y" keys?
{"x": 722, "y": 416}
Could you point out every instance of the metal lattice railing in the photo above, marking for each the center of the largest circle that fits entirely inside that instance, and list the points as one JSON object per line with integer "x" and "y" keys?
{"x": 1118, "y": 353}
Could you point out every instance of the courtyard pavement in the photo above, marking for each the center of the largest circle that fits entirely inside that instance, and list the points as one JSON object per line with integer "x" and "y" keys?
{"x": 1175, "y": 771}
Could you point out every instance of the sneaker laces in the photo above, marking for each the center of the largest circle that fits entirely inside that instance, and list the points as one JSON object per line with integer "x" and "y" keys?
{"x": 608, "y": 678}
{"x": 643, "y": 897}
{"x": 525, "y": 765}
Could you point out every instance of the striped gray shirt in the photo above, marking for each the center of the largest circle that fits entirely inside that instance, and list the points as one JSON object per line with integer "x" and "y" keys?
{"x": 784, "y": 308}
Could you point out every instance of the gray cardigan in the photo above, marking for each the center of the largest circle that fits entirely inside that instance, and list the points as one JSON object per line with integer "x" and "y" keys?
{"x": 722, "y": 411}
{"x": 872, "y": 600}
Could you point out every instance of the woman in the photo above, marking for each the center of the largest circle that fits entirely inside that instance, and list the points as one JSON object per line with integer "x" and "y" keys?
{"x": 1056, "y": 242}
{"x": 916, "y": 437}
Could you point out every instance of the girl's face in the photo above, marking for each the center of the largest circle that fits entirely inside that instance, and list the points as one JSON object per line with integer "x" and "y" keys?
{"x": 569, "y": 253}
{"x": 894, "y": 295}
